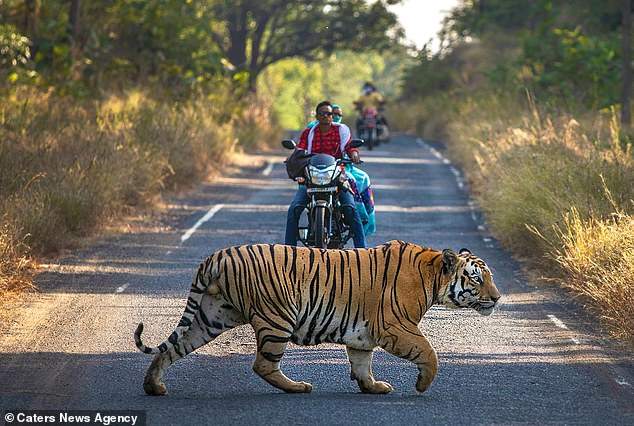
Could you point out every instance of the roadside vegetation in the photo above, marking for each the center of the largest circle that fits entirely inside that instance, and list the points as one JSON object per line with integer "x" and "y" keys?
{"x": 104, "y": 106}
{"x": 529, "y": 98}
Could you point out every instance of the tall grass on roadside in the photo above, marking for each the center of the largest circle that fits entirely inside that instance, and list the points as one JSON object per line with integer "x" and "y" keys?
{"x": 597, "y": 258}
{"x": 428, "y": 118}
{"x": 534, "y": 171}
{"x": 66, "y": 165}
{"x": 255, "y": 125}
{"x": 551, "y": 188}
{"x": 16, "y": 267}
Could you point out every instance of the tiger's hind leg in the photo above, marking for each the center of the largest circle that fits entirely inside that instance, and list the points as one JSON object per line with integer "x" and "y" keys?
{"x": 271, "y": 346}
{"x": 214, "y": 317}
{"x": 361, "y": 371}
{"x": 408, "y": 342}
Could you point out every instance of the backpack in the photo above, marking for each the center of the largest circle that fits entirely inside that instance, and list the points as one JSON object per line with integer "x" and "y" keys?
{"x": 296, "y": 162}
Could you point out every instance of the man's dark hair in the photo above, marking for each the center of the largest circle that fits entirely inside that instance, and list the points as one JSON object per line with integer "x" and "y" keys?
{"x": 321, "y": 104}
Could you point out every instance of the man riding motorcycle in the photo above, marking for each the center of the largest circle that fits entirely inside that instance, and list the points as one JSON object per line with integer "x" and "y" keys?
{"x": 332, "y": 139}
{"x": 359, "y": 182}
{"x": 371, "y": 101}
{"x": 337, "y": 116}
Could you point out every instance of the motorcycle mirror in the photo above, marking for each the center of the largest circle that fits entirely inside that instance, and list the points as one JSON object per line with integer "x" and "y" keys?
{"x": 288, "y": 144}
{"x": 356, "y": 143}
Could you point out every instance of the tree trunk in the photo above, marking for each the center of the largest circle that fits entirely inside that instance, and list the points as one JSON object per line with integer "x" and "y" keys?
{"x": 74, "y": 37}
{"x": 73, "y": 19}
{"x": 31, "y": 18}
{"x": 626, "y": 44}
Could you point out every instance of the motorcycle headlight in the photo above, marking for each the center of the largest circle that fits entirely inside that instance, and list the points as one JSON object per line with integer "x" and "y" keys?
{"x": 322, "y": 176}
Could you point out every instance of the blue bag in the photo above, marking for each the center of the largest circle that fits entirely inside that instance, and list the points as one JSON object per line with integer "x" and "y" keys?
{"x": 363, "y": 197}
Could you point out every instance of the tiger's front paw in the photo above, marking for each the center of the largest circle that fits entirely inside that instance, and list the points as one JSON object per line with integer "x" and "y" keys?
{"x": 378, "y": 388}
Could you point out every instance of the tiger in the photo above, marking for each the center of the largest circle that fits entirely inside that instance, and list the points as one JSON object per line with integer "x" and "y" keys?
{"x": 360, "y": 298}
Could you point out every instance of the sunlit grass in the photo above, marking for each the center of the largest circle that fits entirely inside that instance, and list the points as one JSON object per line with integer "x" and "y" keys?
{"x": 598, "y": 259}
{"x": 551, "y": 188}
{"x": 66, "y": 166}
{"x": 16, "y": 267}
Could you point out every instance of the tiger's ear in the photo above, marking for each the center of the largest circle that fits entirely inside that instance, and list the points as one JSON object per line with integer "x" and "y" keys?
{"x": 450, "y": 261}
{"x": 464, "y": 250}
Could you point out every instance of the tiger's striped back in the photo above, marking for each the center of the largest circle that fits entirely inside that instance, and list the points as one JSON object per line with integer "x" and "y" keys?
{"x": 329, "y": 295}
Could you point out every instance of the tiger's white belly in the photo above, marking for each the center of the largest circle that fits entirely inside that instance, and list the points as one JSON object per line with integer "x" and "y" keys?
{"x": 315, "y": 331}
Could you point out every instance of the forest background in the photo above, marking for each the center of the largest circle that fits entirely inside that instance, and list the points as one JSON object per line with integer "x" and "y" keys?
{"x": 107, "y": 105}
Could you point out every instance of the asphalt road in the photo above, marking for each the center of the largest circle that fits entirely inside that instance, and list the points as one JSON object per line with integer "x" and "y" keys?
{"x": 536, "y": 360}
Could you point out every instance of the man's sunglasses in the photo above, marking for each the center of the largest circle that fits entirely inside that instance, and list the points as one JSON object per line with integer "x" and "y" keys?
{"x": 325, "y": 113}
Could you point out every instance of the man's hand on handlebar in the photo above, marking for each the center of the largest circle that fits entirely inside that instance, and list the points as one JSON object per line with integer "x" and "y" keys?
{"x": 355, "y": 157}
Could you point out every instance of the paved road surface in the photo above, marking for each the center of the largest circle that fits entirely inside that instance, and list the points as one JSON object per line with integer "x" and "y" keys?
{"x": 534, "y": 361}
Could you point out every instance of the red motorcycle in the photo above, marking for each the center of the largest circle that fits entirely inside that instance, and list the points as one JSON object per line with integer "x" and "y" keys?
{"x": 368, "y": 128}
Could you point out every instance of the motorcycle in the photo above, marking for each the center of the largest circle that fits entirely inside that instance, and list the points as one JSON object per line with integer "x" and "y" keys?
{"x": 369, "y": 127}
{"x": 324, "y": 179}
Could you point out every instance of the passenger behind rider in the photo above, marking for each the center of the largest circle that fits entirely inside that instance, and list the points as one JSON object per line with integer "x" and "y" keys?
{"x": 332, "y": 139}
{"x": 369, "y": 99}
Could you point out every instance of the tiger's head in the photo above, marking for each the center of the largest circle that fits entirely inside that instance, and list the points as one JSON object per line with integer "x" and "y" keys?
{"x": 471, "y": 282}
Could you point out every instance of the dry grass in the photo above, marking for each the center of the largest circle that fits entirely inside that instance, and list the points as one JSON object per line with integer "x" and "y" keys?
{"x": 16, "y": 267}
{"x": 428, "y": 117}
{"x": 597, "y": 257}
{"x": 67, "y": 166}
{"x": 551, "y": 188}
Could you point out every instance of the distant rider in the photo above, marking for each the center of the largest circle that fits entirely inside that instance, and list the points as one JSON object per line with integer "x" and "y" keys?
{"x": 332, "y": 139}
{"x": 369, "y": 99}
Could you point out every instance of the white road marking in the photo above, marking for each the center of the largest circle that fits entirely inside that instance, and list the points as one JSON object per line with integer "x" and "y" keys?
{"x": 168, "y": 252}
{"x": 122, "y": 288}
{"x": 269, "y": 168}
{"x": 559, "y": 323}
{"x": 575, "y": 341}
{"x": 212, "y": 211}
{"x": 481, "y": 228}
{"x": 621, "y": 381}
{"x": 487, "y": 239}
{"x": 473, "y": 216}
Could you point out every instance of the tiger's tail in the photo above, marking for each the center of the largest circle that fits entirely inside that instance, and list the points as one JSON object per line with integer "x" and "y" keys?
{"x": 208, "y": 273}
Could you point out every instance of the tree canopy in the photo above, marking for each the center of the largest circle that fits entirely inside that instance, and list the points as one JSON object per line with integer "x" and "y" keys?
{"x": 253, "y": 34}
{"x": 183, "y": 43}
{"x": 565, "y": 52}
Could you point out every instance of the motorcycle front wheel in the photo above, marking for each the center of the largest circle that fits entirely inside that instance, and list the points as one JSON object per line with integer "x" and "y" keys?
{"x": 319, "y": 227}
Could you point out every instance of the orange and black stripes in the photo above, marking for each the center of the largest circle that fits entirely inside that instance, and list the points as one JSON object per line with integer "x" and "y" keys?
{"x": 311, "y": 295}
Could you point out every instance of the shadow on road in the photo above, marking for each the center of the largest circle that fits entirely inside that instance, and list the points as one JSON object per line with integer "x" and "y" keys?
{"x": 501, "y": 386}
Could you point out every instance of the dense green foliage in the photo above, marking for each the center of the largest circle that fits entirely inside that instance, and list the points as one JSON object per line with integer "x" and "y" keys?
{"x": 298, "y": 85}
{"x": 256, "y": 34}
{"x": 566, "y": 53}
{"x": 180, "y": 45}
